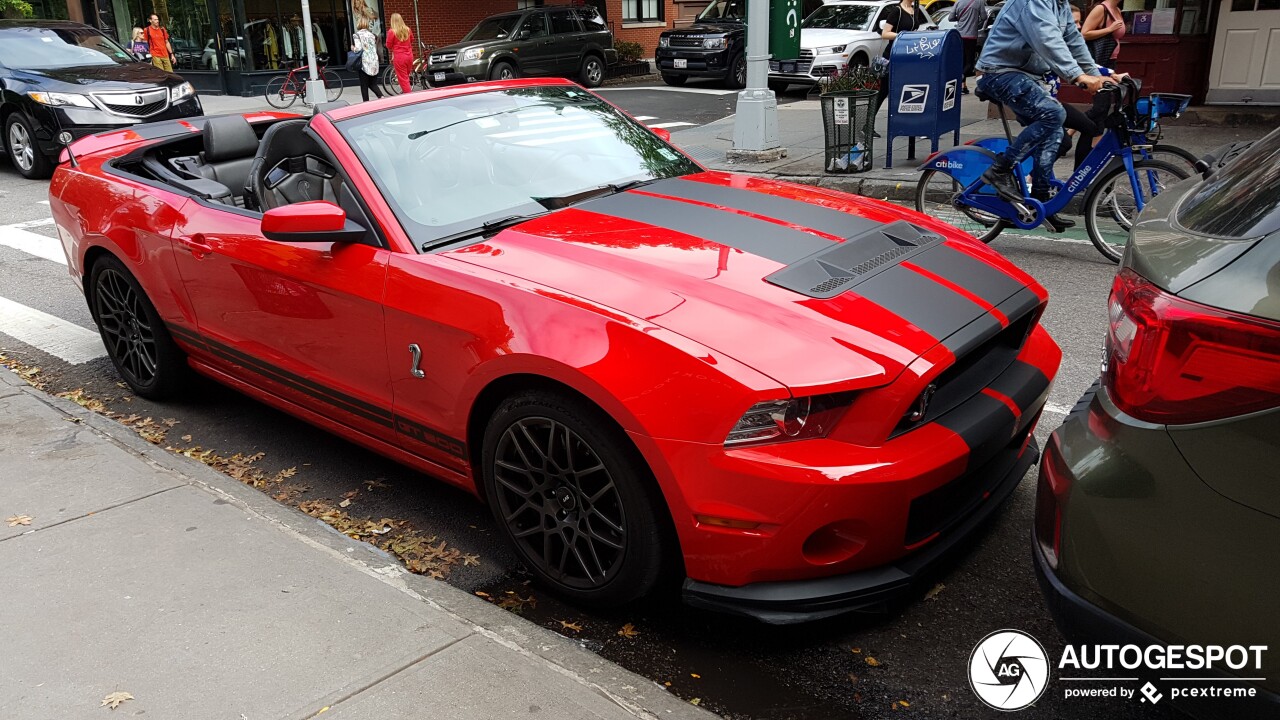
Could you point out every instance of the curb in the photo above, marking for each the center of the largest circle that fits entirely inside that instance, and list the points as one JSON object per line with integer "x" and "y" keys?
{"x": 636, "y": 694}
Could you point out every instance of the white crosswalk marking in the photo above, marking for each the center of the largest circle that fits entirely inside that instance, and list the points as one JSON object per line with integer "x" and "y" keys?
{"x": 671, "y": 125}
{"x": 32, "y": 243}
{"x": 53, "y": 335}
{"x": 642, "y": 118}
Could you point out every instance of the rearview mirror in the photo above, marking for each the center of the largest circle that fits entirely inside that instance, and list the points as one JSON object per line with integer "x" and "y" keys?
{"x": 310, "y": 222}
{"x": 663, "y": 134}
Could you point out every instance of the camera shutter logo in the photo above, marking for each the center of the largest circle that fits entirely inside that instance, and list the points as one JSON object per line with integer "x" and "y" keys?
{"x": 1009, "y": 670}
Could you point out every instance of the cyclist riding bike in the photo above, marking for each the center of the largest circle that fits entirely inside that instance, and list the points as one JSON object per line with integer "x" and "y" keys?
{"x": 1031, "y": 38}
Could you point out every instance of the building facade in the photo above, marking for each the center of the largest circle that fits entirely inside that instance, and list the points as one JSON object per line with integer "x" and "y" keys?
{"x": 1219, "y": 51}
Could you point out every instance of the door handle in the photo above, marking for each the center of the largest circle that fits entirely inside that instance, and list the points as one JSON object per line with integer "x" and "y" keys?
{"x": 196, "y": 245}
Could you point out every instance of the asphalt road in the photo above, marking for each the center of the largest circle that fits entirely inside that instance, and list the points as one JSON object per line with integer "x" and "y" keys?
{"x": 739, "y": 669}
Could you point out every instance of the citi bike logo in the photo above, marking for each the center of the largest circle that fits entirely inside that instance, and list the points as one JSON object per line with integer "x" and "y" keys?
{"x": 948, "y": 164}
{"x": 1009, "y": 670}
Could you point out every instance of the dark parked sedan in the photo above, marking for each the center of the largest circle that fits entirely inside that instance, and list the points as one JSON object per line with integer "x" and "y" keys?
{"x": 1158, "y": 508}
{"x": 58, "y": 76}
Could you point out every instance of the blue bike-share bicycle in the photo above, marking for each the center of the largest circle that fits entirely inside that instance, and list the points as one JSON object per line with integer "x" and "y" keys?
{"x": 1119, "y": 177}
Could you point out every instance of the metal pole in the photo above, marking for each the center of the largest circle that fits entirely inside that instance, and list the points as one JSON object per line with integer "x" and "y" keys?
{"x": 315, "y": 86}
{"x": 755, "y": 126}
{"x": 417, "y": 28}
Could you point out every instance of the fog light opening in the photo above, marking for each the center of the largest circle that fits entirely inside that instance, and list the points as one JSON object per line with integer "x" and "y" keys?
{"x": 834, "y": 543}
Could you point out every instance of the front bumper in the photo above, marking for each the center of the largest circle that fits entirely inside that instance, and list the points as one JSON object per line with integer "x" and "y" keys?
{"x": 458, "y": 71}
{"x": 698, "y": 63}
{"x": 782, "y": 603}
{"x": 806, "y": 71}
{"x": 82, "y": 122}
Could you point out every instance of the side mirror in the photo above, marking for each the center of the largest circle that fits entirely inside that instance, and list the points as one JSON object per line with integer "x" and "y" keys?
{"x": 663, "y": 134}
{"x": 315, "y": 221}
{"x": 523, "y": 35}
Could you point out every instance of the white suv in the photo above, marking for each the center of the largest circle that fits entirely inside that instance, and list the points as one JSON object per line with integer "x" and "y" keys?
{"x": 833, "y": 36}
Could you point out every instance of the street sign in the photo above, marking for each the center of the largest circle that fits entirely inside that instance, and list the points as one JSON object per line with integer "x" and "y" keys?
{"x": 784, "y": 29}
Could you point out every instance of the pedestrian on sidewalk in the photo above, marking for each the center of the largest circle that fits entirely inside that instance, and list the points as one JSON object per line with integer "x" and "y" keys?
{"x": 904, "y": 17}
{"x": 366, "y": 44}
{"x": 1103, "y": 30}
{"x": 969, "y": 16}
{"x": 158, "y": 44}
{"x": 400, "y": 44}
{"x": 139, "y": 45}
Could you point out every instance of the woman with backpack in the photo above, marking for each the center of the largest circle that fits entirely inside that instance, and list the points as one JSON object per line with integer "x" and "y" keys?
{"x": 903, "y": 17}
{"x": 400, "y": 44}
{"x": 366, "y": 68}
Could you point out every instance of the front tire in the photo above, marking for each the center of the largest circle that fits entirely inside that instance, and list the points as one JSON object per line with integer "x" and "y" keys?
{"x": 504, "y": 71}
{"x": 592, "y": 73}
{"x": 1111, "y": 207}
{"x": 737, "y": 78}
{"x": 574, "y": 498}
{"x": 24, "y": 152}
{"x": 137, "y": 341}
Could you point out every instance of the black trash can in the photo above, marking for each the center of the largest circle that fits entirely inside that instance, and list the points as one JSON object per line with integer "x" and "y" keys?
{"x": 848, "y": 119}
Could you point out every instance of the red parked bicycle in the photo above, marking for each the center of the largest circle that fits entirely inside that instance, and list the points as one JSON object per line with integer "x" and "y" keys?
{"x": 283, "y": 90}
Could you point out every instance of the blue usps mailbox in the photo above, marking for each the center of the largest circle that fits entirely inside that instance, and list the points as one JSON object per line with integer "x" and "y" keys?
{"x": 925, "y": 70}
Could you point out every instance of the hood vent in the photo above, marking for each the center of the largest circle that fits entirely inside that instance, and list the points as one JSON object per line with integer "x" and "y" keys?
{"x": 843, "y": 266}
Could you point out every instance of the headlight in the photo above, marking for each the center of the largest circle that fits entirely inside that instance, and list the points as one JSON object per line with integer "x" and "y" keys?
{"x": 715, "y": 43}
{"x": 831, "y": 50}
{"x": 664, "y": 42}
{"x": 473, "y": 54}
{"x": 795, "y": 419}
{"x": 181, "y": 92}
{"x": 61, "y": 99}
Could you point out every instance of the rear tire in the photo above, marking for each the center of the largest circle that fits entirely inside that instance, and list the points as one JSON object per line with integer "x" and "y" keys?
{"x": 592, "y": 72}
{"x": 574, "y": 498}
{"x": 390, "y": 83}
{"x": 1110, "y": 209}
{"x": 137, "y": 341}
{"x": 275, "y": 93}
{"x": 675, "y": 80}
{"x": 934, "y": 197}
{"x": 332, "y": 86}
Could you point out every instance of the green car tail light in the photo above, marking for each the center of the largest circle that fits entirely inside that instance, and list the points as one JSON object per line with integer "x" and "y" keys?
{"x": 1172, "y": 361}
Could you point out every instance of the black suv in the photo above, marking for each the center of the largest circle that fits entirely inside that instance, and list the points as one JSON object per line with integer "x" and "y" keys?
{"x": 58, "y": 75}
{"x": 714, "y": 46}
{"x": 557, "y": 41}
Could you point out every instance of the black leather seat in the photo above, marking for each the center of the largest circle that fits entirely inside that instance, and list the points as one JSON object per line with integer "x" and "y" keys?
{"x": 230, "y": 145}
{"x": 290, "y": 168}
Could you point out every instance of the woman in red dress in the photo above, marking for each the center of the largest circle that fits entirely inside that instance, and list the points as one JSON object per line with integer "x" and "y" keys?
{"x": 400, "y": 44}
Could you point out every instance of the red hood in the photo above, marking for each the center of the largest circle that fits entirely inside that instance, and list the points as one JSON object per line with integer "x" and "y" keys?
{"x": 734, "y": 271}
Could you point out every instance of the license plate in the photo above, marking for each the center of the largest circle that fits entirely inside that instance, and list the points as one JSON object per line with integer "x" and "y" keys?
{"x": 788, "y": 67}
{"x": 439, "y": 77}
{"x": 681, "y": 63}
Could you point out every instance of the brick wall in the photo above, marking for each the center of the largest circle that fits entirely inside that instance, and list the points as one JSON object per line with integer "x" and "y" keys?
{"x": 444, "y": 22}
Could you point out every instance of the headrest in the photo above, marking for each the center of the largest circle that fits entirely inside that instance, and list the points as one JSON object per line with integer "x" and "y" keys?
{"x": 229, "y": 137}
{"x": 327, "y": 106}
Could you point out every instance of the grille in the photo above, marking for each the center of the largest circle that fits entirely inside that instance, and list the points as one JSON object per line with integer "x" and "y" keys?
{"x": 686, "y": 41}
{"x": 824, "y": 71}
{"x": 444, "y": 58}
{"x": 140, "y": 104}
{"x": 806, "y": 55}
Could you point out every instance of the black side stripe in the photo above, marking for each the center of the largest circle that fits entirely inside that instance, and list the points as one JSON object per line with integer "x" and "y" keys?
{"x": 822, "y": 219}
{"x": 984, "y": 423}
{"x": 1021, "y": 383}
{"x": 373, "y": 413}
{"x": 758, "y": 237}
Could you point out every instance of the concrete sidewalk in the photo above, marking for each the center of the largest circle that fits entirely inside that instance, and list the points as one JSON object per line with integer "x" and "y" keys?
{"x": 147, "y": 573}
{"x": 800, "y": 131}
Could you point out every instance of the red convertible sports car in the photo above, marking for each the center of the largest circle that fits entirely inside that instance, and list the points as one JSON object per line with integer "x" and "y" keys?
{"x": 795, "y": 399}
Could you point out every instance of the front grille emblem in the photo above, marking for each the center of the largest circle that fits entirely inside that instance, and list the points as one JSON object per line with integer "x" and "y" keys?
{"x": 137, "y": 99}
{"x": 922, "y": 404}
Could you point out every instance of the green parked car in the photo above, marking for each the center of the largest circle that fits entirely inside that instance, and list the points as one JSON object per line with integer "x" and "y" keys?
{"x": 1158, "y": 505}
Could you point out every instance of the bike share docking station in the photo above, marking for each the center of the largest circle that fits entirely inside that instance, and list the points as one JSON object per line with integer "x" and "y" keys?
{"x": 926, "y": 71}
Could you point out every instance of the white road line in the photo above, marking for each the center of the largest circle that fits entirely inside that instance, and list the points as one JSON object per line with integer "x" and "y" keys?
{"x": 642, "y": 118}
{"x": 696, "y": 91}
{"x": 53, "y": 335}
{"x": 671, "y": 125}
{"x": 42, "y": 222}
{"x": 33, "y": 243}
{"x": 1057, "y": 409}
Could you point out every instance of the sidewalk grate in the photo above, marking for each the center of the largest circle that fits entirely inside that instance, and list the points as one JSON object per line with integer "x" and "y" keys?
{"x": 704, "y": 154}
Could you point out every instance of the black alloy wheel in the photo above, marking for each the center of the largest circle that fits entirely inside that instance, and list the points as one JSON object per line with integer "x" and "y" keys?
{"x": 136, "y": 339}
{"x": 573, "y": 499}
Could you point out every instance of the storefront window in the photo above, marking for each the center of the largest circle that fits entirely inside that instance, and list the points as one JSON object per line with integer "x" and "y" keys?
{"x": 642, "y": 10}
{"x": 1167, "y": 17}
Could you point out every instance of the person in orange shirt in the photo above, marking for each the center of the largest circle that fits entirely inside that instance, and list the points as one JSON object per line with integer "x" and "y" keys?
{"x": 158, "y": 42}
{"x": 400, "y": 43}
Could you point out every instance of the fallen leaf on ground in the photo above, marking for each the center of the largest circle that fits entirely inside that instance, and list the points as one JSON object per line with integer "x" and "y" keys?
{"x": 856, "y": 651}
{"x": 17, "y": 520}
{"x": 375, "y": 483}
{"x": 904, "y": 703}
{"x": 482, "y": 594}
{"x": 695, "y": 676}
{"x": 186, "y": 438}
{"x": 114, "y": 699}
{"x": 696, "y": 701}
{"x": 853, "y": 678}
{"x": 872, "y": 661}
{"x": 470, "y": 560}
{"x": 934, "y": 592}
{"x": 345, "y": 503}
{"x": 572, "y": 626}
{"x": 169, "y": 422}
{"x": 628, "y": 631}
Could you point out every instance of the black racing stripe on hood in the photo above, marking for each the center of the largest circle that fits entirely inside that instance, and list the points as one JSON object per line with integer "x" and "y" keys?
{"x": 758, "y": 237}
{"x": 970, "y": 273}
{"x": 971, "y": 336}
{"x": 796, "y": 212}
{"x": 920, "y": 301}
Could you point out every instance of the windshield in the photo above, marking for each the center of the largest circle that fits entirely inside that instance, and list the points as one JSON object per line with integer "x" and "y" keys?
{"x": 1242, "y": 200}
{"x": 448, "y": 166}
{"x": 35, "y": 48}
{"x": 722, "y": 10}
{"x": 841, "y": 17}
{"x": 494, "y": 28}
